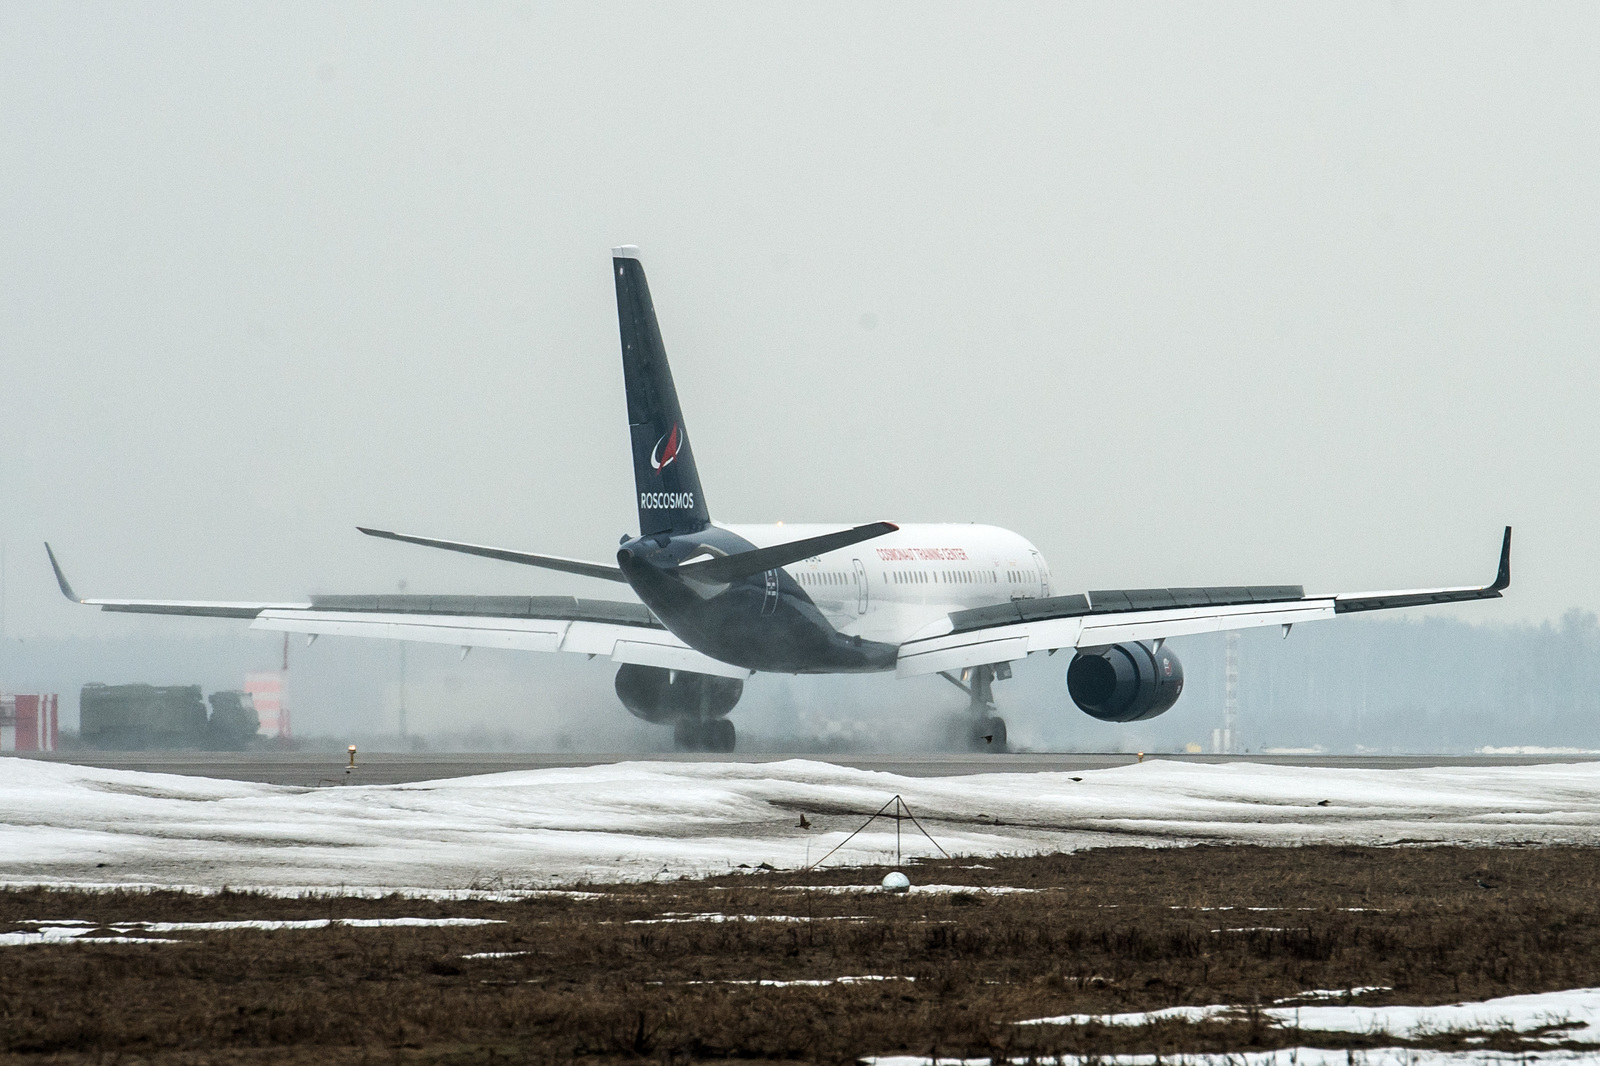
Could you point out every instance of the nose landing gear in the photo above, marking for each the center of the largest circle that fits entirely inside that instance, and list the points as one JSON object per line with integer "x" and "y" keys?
{"x": 985, "y": 731}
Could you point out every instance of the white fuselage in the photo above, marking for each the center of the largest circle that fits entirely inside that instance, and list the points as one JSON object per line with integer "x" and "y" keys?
{"x": 892, "y": 587}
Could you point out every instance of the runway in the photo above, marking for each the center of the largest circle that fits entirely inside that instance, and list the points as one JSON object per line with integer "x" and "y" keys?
{"x": 310, "y": 768}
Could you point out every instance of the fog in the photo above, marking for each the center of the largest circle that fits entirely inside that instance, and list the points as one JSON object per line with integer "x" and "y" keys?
{"x": 1363, "y": 685}
{"x": 1219, "y": 294}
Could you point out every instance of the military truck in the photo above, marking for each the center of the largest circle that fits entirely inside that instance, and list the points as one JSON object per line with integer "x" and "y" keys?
{"x": 164, "y": 717}
{"x": 233, "y": 721}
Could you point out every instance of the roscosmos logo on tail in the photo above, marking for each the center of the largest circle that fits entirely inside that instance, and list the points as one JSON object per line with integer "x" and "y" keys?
{"x": 666, "y": 449}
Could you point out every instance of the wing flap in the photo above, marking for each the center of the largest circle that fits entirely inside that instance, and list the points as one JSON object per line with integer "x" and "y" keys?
{"x": 561, "y": 608}
{"x": 672, "y": 657}
{"x": 1006, "y": 643}
{"x": 505, "y": 633}
{"x": 1155, "y": 626}
{"x": 618, "y": 642}
{"x": 998, "y": 647}
{"x": 194, "y": 608}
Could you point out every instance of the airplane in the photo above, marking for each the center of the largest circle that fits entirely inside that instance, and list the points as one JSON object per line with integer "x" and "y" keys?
{"x": 718, "y": 603}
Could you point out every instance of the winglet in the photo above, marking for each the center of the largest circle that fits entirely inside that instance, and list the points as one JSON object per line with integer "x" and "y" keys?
{"x": 61, "y": 579}
{"x": 1502, "y": 580}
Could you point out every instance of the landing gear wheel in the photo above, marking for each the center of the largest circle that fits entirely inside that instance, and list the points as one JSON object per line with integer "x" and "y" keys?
{"x": 687, "y": 735}
{"x": 989, "y": 735}
{"x": 719, "y": 735}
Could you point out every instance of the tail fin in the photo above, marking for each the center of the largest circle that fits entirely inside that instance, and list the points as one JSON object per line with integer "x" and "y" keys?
{"x": 670, "y": 499}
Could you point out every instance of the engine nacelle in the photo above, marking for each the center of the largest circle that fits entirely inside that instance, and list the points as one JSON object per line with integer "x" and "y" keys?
{"x": 658, "y": 695}
{"x": 1125, "y": 682}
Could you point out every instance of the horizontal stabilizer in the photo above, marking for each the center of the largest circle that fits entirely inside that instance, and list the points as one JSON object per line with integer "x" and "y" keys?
{"x": 549, "y": 562}
{"x": 744, "y": 564}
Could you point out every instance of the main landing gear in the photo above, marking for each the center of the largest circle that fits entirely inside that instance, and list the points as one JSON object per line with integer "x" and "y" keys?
{"x": 703, "y": 734}
{"x": 985, "y": 730}
{"x": 695, "y": 705}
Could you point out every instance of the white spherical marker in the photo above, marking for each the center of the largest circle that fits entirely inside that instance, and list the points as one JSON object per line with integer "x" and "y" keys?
{"x": 897, "y": 882}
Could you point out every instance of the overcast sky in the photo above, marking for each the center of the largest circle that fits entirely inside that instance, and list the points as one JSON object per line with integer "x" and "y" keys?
{"x": 1186, "y": 294}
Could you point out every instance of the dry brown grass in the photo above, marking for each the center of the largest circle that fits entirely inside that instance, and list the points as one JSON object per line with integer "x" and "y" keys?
{"x": 1106, "y": 931}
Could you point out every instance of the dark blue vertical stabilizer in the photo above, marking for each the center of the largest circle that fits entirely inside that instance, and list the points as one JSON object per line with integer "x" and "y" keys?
{"x": 664, "y": 475}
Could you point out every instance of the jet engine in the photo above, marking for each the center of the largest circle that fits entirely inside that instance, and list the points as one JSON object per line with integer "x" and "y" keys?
{"x": 1125, "y": 682}
{"x": 659, "y": 695}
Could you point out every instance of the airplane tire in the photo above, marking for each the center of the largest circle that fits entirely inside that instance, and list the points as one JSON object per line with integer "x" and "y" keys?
{"x": 719, "y": 735}
{"x": 688, "y": 735}
{"x": 989, "y": 735}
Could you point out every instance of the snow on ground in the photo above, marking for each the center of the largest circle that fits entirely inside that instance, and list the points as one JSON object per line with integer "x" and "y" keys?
{"x": 58, "y": 931}
{"x": 64, "y": 824}
{"x": 817, "y": 983}
{"x": 1563, "y": 1016}
{"x": 1294, "y": 1056}
{"x": 1549, "y": 1018}
{"x": 914, "y": 890}
{"x": 1333, "y": 993}
{"x": 679, "y": 919}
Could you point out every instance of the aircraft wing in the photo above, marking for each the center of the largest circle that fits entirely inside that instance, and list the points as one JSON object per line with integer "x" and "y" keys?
{"x": 622, "y": 632}
{"x": 1010, "y": 631}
